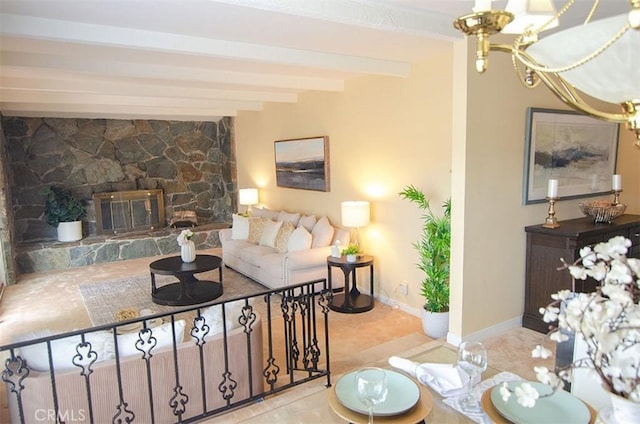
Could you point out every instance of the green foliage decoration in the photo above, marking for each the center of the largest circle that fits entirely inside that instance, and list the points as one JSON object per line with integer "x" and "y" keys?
{"x": 61, "y": 206}
{"x": 434, "y": 250}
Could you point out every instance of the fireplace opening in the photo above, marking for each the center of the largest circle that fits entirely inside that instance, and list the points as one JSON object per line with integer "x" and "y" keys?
{"x": 127, "y": 211}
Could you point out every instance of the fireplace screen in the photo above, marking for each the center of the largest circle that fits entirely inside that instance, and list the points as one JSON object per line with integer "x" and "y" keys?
{"x": 125, "y": 211}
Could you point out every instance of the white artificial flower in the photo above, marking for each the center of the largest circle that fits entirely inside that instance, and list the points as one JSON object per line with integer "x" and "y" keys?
{"x": 526, "y": 395}
{"x": 505, "y": 392}
{"x": 550, "y": 313}
{"x": 558, "y": 336}
{"x": 541, "y": 352}
{"x": 588, "y": 256}
{"x": 546, "y": 377}
{"x": 184, "y": 236}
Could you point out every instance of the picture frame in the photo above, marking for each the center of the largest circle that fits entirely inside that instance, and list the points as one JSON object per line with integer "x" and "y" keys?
{"x": 303, "y": 163}
{"x": 579, "y": 151}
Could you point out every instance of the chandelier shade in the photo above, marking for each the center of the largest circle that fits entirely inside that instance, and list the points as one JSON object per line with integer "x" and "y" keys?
{"x": 612, "y": 76}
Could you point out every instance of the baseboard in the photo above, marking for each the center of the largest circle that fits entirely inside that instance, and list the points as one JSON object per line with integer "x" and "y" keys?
{"x": 398, "y": 305}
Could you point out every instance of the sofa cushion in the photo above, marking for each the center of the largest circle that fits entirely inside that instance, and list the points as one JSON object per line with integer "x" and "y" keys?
{"x": 265, "y": 213}
{"x": 289, "y": 217}
{"x": 240, "y": 228}
{"x": 63, "y": 350}
{"x": 256, "y": 225}
{"x": 253, "y": 254}
{"x": 307, "y": 221}
{"x": 234, "y": 247}
{"x": 162, "y": 334}
{"x": 322, "y": 233}
{"x": 269, "y": 233}
{"x": 300, "y": 239}
{"x": 283, "y": 236}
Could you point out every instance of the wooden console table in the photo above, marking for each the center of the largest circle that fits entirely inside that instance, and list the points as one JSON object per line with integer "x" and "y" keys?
{"x": 545, "y": 247}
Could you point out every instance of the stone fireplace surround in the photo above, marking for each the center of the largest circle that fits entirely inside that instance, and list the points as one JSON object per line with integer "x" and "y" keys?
{"x": 192, "y": 162}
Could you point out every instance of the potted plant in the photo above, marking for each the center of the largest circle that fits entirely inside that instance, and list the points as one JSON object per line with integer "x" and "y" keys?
{"x": 64, "y": 212}
{"x": 434, "y": 252}
{"x": 351, "y": 252}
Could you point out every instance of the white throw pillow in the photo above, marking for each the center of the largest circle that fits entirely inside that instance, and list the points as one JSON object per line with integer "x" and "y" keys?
{"x": 269, "y": 233}
{"x": 213, "y": 317}
{"x": 265, "y": 213}
{"x": 162, "y": 334}
{"x": 322, "y": 233}
{"x": 307, "y": 221}
{"x": 283, "y": 237}
{"x": 240, "y": 228}
{"x": 289, "y": 217}
{"x": 63, "y": 350}
{"x": 300, "y": 239}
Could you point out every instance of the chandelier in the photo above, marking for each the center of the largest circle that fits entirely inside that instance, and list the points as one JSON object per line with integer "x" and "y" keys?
{"x": 599, "y": 58}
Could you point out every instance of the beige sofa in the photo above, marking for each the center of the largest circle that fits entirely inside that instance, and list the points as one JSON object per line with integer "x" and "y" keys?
{"x": 37, "y": 398}
{"x": 279, "y": 249}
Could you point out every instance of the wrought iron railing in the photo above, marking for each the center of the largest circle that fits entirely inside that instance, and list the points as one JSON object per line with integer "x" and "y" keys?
{"x": 280, "y": 340}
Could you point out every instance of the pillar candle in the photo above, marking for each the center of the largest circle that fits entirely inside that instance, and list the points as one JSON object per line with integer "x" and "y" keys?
{"x": 616, "y": 182}
{"x": 553, "y": 189}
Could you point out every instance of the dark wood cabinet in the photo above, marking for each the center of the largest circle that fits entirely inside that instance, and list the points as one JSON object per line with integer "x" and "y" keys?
{"x": 545, "y": 247}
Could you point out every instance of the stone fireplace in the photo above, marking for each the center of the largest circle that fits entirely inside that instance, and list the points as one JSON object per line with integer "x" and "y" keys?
{"x": 189, "y": 166}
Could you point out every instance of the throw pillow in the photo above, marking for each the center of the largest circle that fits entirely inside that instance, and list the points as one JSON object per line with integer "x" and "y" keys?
{"x": 256, "y": 225}
{"x": 283, "y": 236}
{"x": 269, "y": 233}
{"x": 289, "y": 217}
{"x": 162, "y": 334}
{"x": 300, "y": 239}
{"x": 240, "y": 228}
{"x": 322, "y": 233}
{"x": 307, "y": 221}
{"x": 213, "y": 318}
{"x": 63, "y": 350}
{"x": 265, "y": 213}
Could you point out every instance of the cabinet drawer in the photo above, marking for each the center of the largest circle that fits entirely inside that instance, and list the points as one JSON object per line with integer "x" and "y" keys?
{"x": 634, "y": 235}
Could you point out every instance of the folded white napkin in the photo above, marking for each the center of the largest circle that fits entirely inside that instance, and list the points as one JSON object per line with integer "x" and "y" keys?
{"x": 446, "y": 379}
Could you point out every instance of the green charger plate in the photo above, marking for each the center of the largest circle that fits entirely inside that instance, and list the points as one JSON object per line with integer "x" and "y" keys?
{"x": 561, "y": 407}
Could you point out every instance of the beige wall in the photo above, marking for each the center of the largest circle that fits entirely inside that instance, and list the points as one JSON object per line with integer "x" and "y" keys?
{"x": 489, "y": 241}
{"x": 389, "y": 132}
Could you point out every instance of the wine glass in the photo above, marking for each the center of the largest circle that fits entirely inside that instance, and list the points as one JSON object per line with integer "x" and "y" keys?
{"x": 371, "y": 388}
{"x": 472, "y": 358}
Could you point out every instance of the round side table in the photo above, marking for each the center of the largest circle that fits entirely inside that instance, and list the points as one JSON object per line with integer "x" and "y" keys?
{"x": 351, "y": 301}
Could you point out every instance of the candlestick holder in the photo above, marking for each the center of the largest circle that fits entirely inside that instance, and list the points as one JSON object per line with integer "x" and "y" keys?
{"x": 551, "y": 221}
{"x": 616, "y": 197}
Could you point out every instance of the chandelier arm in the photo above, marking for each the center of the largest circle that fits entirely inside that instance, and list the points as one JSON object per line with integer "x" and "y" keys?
{"x": 563, "y": 90}
{"x": 522, "y": 57}
{"x": 596, "y": 3}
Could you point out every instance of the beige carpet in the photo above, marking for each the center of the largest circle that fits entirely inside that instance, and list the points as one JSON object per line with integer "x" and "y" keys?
{"x": 102, "y": 300}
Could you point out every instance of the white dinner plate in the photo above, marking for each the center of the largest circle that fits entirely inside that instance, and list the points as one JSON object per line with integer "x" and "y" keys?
{"x": 402, "y": 394}
{"x": 561, "y": 407}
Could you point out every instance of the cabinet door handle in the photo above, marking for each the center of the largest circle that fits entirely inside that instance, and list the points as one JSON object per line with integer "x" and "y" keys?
{"x": 636, "y": 235}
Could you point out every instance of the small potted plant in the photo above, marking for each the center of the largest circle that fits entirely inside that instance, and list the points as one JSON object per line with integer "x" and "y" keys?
{"x": 351, "y": 252}
{"x": 64, "y": 212}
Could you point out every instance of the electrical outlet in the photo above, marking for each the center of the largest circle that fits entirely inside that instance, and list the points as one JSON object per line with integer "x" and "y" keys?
{"x": 404, "y": 289}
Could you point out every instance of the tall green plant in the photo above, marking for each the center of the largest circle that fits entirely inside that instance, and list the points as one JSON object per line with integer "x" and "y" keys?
{"x": 434, "y": 250}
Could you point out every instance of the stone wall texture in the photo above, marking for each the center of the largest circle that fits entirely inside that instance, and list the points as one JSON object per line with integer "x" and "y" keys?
{"x": 193, "y": 162}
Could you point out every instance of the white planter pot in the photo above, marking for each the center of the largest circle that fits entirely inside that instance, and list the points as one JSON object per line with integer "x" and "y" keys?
{"x": 188, "y": 252}
{"x": 70, "y": 231}
{"x": 351, "y": 258}
{"x": 435, "y": 324}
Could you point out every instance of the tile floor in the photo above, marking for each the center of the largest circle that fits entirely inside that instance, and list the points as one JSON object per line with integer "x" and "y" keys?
{"x": 51, "y": 300}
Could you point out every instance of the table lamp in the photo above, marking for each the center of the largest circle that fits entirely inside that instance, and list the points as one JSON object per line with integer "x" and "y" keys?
{"x": 248, "y": 197}
{"x": 355, "y": 214}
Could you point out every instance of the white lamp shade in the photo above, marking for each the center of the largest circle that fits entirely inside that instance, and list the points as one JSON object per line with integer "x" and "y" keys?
{"x": 530, "y": 13}
{"x": 248, "y": 196}
{"x": 355, "y": 214}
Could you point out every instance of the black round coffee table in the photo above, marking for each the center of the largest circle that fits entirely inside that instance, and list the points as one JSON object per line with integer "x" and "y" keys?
{"x": 189, "y": 290}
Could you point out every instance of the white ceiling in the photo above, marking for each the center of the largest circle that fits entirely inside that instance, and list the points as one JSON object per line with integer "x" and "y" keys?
{"x": 199, "y": 59}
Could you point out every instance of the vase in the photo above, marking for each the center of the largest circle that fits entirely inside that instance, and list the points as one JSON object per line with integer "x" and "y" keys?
{"x": 625, "y": 410}
{"x": 70, "y": 231}
{"x": 435, "y": 324}
{"x": 352, "y": 258}
{"x": 188, "y": 252}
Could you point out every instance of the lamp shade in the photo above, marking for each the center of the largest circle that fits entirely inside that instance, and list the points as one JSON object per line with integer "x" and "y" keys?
{"x": 248, "y": 196}
{"x": 355, "y": 214}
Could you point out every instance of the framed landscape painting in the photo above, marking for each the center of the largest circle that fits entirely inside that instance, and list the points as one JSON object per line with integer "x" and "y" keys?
{"x": 577, "y": 150}
{"x": 303, "y": 163}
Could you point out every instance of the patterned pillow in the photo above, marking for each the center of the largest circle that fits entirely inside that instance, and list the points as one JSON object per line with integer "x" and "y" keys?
{"x": 283, "y": 236}
{"x": 256, "y": 226}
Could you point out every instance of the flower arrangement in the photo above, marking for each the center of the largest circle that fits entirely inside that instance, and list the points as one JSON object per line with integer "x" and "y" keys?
{"x": 351, "y": 249}
{"x": 608, "y": 320}
{"x": 184, "y": 237}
